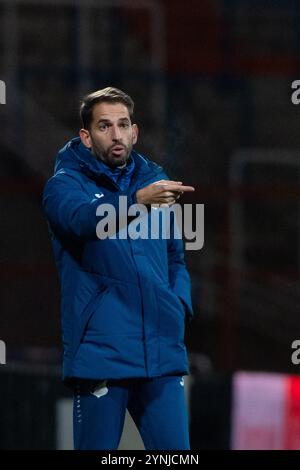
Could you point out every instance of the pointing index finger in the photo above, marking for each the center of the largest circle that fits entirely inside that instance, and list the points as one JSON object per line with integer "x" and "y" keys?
{"x": 178, "y": 187}
{"x": 186, "y": 188}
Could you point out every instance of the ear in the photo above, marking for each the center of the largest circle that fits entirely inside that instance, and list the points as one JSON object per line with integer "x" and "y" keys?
{"x": 135, "y": 133}
{"x": 85, "y": 138}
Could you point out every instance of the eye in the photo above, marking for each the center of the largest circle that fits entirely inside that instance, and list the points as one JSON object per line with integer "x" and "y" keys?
{"x": 124, "y": 125}
{"x": 103, "y": 127}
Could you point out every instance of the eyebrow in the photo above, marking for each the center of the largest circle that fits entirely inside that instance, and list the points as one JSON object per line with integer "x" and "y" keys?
{"x": 108, "y": 120}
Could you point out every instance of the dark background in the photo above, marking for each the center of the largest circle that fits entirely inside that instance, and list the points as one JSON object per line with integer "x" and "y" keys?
{"x": 211, "y": 81}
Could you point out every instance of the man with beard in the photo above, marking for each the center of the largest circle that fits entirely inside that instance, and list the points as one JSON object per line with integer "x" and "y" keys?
{"x": 124, "y": 302}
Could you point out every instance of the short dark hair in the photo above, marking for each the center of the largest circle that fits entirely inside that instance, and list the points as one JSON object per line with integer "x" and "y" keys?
{"x": 105, "y": 95}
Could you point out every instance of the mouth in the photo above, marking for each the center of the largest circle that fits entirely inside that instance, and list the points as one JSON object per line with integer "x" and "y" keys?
{"x": 118, "y": 150}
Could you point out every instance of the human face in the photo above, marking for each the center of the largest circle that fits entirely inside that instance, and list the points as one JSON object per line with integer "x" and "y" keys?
{"x": 111, "y": 135}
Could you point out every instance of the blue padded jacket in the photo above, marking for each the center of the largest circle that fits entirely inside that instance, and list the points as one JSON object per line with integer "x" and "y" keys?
{"x": 124, "y": 301}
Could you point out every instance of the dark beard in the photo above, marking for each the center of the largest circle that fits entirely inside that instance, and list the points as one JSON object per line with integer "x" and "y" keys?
{"x": 106, "y": 158}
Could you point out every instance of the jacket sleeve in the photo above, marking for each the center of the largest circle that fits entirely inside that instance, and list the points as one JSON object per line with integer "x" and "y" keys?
{"x": 69, "y": 210}
{"x": 179, "y": 278}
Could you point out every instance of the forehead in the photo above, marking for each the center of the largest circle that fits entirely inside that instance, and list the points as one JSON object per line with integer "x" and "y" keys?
{"x": 110, "y": 111}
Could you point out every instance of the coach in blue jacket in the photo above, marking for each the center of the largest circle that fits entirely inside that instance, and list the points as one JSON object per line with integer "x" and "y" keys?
{"x": 124, "y": 300}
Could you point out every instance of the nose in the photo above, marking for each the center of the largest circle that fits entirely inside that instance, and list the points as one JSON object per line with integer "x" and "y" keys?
{"x": 115, "y": 133}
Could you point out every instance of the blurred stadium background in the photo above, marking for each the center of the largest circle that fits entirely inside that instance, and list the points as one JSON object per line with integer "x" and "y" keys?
{"x": 211, "y": 80}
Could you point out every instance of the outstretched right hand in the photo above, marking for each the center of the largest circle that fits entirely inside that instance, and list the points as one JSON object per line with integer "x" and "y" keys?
{"x": 162, "y": 192}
